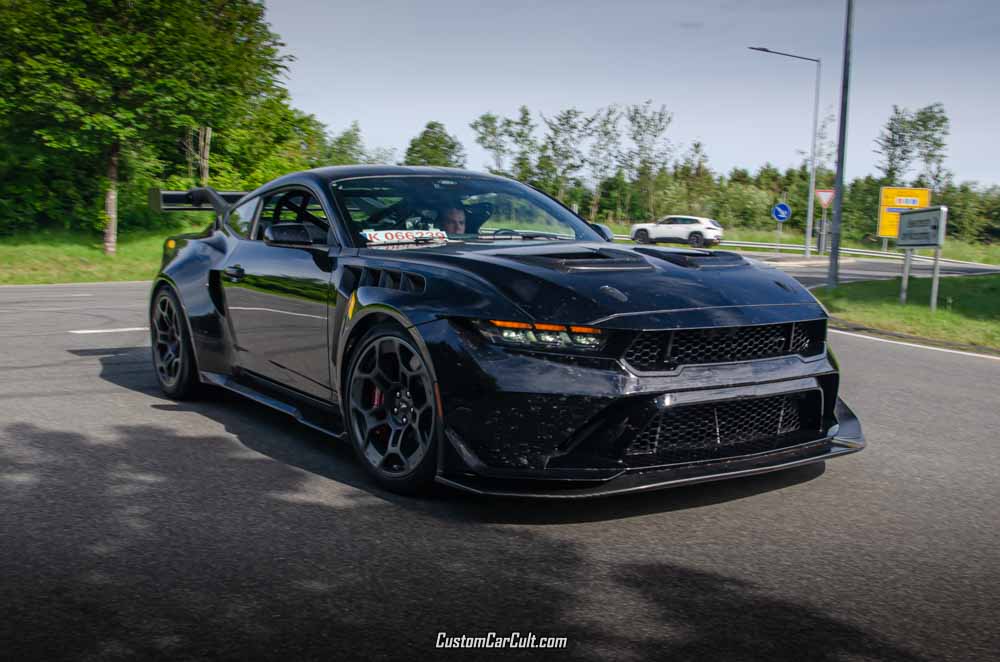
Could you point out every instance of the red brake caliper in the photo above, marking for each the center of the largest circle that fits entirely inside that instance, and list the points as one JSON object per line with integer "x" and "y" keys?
{"x": 377, "y": 397}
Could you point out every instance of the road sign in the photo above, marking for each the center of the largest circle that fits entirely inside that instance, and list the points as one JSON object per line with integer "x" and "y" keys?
{"x": 825, "y": 196}
{"x": 922, "y": 228}
{"x": 781, "y": 212}
{"x": 895, "y": 199}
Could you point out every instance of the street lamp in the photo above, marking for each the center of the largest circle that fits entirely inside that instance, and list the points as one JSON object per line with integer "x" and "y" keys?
{"x": 812, "y": 151}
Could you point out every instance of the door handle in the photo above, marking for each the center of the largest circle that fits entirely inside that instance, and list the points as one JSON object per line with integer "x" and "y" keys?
{"x": 234, "y": 273}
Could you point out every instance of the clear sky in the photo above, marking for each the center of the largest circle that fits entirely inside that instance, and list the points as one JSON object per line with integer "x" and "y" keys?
{"x": 393, "y": 65}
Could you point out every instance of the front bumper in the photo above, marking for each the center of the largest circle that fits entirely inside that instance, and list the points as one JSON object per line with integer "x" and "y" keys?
{"x": 521, "y": 424}
{"x": 846, "y": 437}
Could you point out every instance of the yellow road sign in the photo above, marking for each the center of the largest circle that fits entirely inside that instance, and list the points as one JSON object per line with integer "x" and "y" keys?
{"x": 894, "y": 199}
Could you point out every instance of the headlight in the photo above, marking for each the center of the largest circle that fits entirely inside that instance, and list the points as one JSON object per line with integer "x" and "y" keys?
{"x": 542, "y": 336}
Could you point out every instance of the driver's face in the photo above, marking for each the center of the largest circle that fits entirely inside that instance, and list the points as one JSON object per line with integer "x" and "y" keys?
{"x": 453, "y": 221}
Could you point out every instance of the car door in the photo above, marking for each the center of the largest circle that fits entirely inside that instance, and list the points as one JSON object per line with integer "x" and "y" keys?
{"x": 278, "y": 295}
{"x": 667, "y": 229}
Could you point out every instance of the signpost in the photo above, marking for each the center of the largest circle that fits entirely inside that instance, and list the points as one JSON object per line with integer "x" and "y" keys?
{"x": 894, "y": 200}
{"x": 781, "y": 212}
{"x": 922, "y": 228}
{"x": 825, "y": 197}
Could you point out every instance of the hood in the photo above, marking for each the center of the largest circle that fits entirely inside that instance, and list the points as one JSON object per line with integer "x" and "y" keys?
{"x": 578, "y": 282}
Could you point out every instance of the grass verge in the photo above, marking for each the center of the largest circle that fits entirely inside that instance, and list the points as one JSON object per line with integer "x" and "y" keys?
{"x": 968, "y": 308}
{"x": 58, "y": 256}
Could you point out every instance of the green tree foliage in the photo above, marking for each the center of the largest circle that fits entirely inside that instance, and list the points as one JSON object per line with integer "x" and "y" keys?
{"x": 95, "y": 80}
{"x": 434, "y": 146}
{"x": 894, "y": 145}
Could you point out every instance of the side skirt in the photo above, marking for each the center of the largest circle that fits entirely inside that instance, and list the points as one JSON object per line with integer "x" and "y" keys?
{"x": 309, "y": 412}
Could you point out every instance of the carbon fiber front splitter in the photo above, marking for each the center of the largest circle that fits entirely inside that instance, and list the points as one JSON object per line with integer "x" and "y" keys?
{"x": 845, "y": 438}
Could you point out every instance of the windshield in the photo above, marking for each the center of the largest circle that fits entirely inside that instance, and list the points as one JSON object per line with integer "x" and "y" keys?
{"x": 432, "y": 209}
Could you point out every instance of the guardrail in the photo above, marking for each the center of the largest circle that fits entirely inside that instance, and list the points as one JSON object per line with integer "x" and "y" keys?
{"x": 861, "y": 252}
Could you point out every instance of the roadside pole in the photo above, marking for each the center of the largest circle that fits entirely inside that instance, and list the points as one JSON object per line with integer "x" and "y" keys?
{"x": 833, "y": 274}
{"x": 907, "y": 259}
{"x": 935, "y": 279}
{"x": 825, "y": 197}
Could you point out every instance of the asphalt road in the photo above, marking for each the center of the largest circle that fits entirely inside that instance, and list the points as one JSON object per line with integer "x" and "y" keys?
{"x": 136, "y": 527}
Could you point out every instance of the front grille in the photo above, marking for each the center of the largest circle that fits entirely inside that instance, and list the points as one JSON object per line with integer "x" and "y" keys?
{"x": 667, "y": 350}
{"x": 691, "y": 433}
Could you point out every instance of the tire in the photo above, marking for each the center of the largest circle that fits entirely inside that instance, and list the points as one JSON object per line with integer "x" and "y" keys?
{"x": 696, "y": 239}
{"x": 642, "y": 237}
{"x": 391, "y": 410}
{"x": 173, "y": 356}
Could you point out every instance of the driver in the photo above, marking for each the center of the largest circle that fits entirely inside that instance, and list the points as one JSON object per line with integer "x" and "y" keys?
{"x": 452, "y": 220}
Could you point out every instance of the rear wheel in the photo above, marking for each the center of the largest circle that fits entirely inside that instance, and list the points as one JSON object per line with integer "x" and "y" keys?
{"x": 642, "y": 237}
{"x": 173, "y": 357}
{"x": 391, "y": 410}
{"x": 696, "y": 239}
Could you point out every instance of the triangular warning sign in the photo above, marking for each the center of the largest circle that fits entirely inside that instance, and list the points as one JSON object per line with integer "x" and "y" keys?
{"x": 825, "y": 196}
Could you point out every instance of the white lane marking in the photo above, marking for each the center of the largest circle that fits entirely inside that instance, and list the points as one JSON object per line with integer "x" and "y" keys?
{"x": 123, "y": 330}
{"x": 280, "y": 312}
{"x": 910, "y": 344}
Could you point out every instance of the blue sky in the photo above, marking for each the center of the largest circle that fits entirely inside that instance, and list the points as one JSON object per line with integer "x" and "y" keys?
{"x": 394, "y": 65}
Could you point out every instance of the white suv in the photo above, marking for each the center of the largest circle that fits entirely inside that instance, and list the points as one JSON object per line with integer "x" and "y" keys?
{"x": 692, "y": 230}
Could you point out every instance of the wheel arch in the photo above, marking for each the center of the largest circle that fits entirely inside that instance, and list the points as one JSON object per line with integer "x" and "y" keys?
{"x": 163, "y": 281}
{"x": 361, "y": 321}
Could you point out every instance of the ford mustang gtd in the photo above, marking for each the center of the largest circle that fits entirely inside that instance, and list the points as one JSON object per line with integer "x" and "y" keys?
{"x": 467, "y": 329}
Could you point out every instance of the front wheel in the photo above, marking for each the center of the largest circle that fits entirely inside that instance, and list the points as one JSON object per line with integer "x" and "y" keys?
{"x": 173, "y": 356}
{"x": 642, "y": 237}
{"x": 391, "y": 410}
{"x": 696, "y": 239}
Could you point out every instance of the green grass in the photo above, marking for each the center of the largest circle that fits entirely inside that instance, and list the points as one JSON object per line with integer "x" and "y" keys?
{"x": 968, "y": 308}
{"x": 59, "y": 256}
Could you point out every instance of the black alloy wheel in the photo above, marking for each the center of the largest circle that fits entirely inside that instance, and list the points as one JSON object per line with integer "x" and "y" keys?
{"x": 391, "y": 410}
{"x": 173, "y": 358}
{"x": 642, "y": 237}
{"x": 696, "y": 239}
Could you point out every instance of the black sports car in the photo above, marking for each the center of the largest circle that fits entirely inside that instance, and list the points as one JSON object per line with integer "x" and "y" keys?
{"x": 467, "y": 329}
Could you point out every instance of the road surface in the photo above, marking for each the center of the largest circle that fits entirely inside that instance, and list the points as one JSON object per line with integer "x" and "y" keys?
{"x": 132, "y": 526}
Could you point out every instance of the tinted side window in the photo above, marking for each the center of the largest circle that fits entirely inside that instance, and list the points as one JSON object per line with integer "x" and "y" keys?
{"x": 241, "y": 219}
{"x": 294, "y": 206}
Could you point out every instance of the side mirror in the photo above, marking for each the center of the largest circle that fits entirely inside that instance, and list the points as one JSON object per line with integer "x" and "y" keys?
{"x": 287, "y": 233}
{"x": 603, "y": 230}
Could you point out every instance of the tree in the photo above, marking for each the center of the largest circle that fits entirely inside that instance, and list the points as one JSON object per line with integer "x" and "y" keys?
{"x": 895, "y": 145}
{"x": 564, "y": 140}
{"x": 347, "y": 147}
{"x": 490, "y": 135}
{"x": 99, "y": 78}
{"x": 602, "y": 158}
{"x": 647, "y": 127}
{"x": 435, "y": 147}
{"x": 521, "y": 133}
{"x": 929, "y": 129}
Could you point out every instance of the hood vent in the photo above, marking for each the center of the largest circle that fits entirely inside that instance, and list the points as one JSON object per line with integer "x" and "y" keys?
{"x": 695, "y": 259}
{"x": 587, "y": 261}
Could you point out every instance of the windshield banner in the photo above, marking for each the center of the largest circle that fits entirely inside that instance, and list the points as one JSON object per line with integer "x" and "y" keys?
{"x": 397, "y": 236}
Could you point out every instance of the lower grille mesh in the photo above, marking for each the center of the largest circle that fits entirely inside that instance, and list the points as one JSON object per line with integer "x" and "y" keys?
{"x": 737, "y": 427}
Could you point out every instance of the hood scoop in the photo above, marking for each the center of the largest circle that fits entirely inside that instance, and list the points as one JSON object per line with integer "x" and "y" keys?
{"x": 695, "y": 259}
{"x": 577, "y": 261}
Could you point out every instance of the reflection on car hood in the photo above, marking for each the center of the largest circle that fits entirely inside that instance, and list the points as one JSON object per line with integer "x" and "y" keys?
{"x": 579, "y": 282}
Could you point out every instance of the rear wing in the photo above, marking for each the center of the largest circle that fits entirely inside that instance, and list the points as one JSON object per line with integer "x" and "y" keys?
{"x": 197, "y": 199}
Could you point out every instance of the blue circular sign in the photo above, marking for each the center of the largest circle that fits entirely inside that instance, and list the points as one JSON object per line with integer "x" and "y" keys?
{"x": 781, "y": 212}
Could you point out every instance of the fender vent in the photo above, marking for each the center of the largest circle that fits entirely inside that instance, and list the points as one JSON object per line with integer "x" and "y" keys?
{"x": 389, "y": 279}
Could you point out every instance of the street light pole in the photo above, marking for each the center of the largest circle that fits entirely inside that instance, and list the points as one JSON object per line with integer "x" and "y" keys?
{"x": 812, "y": 152}
{"x": 833, "y": 275}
